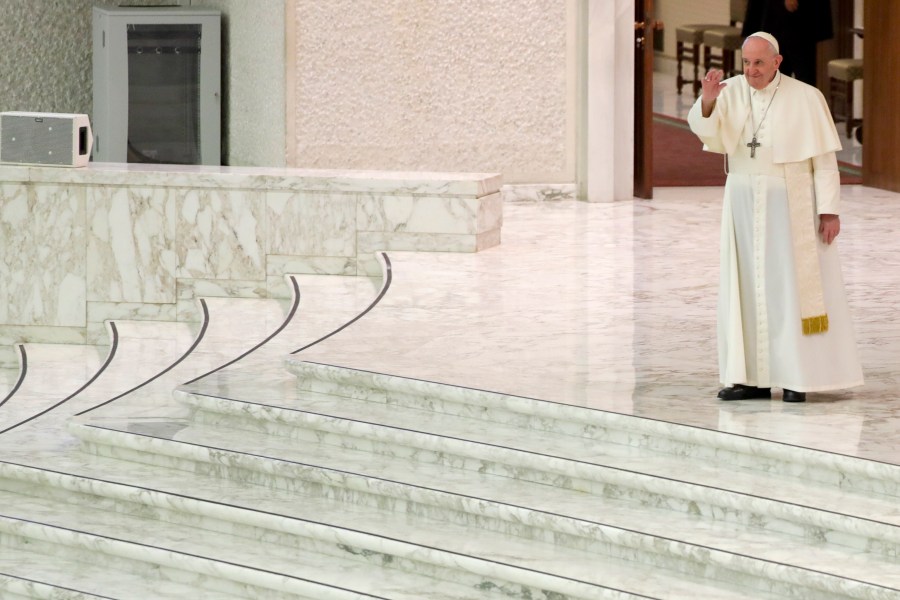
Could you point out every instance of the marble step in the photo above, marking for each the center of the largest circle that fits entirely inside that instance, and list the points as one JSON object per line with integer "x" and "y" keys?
{"x": 204, "y": 561}
{"x": 155, "y": 572}
{"x": 503, "y": 506}
{"x": 13, "y": 587}
{"x": 856, "y": 547}
{"x": 376, "y": 533}
{"x": 472, "y": 576}
{"x": 458, "y": 575}
{"x": 706, "y": 446}
{"x": 30, "y": 569}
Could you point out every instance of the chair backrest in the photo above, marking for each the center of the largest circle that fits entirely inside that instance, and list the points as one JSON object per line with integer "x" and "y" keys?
{"x": 738, "y": 11}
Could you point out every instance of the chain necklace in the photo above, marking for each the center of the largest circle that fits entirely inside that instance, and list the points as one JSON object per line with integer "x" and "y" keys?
{"x": 753, "y": 144}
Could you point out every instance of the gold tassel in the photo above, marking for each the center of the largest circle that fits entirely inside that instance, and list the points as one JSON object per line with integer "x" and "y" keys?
{"x": 817, "y": 324}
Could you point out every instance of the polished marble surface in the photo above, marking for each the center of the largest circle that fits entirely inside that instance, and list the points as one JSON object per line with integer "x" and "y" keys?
{"x": 82, "y": 246}
{"x": 590, "y": 305}
{"x": 219, "y": 177}
{"x": 620, "y": 329}
{"x": 611, "y": 306}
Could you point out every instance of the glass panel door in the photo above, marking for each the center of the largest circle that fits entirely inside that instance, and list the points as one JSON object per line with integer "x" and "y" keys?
{"x": 164, "y": 93}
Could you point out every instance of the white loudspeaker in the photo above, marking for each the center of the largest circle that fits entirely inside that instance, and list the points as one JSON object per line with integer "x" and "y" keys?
{"x": 47, "y": 139}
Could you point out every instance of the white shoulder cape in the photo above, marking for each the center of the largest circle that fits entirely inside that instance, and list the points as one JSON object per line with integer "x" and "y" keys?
{"x": 803, "y": 126}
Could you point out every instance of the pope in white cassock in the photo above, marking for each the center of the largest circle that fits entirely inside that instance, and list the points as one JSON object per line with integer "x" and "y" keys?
{"x": 783, "y": 319}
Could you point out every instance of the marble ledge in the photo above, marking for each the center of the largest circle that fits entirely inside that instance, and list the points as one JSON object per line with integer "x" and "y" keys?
{"x": 263, "y": 178}
{"x": 11, "y": 335}
{"x": 23, "y": 334}
{"x": 278, "y": 265}
{"x": 549, "y": 192}
{"x": 156, "y": 237}
{"x": 390, "y": 213}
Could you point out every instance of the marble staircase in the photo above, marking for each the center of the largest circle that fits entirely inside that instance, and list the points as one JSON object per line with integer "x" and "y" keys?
{"x": 281, "y": 478}
{"x": 335, "y": 483}
{"x": 715, "y": 489}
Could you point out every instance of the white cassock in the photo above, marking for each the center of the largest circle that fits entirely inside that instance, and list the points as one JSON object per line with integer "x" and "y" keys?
{"x": 760, "y": 331}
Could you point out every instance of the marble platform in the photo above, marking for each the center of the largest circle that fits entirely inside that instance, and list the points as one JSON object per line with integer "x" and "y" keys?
{"x": 509, "y": 423}
{"x": 277, "y": 477}
{"x": 123, "y": 241}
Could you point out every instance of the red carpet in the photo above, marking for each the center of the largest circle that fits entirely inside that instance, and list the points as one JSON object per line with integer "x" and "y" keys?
{"x": 679, "y": 159}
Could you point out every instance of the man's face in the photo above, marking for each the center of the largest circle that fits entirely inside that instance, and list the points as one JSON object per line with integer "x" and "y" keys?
{"x": 760, "y": 62}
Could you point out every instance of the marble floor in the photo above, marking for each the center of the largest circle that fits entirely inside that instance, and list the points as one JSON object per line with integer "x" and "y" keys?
{"x": 609, "y": 306}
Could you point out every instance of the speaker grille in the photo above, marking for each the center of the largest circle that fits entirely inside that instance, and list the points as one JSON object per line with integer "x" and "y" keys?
{"x": 36, "y": 140}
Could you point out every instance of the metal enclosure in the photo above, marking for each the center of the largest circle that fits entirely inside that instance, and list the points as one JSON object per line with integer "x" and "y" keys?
{"x": 157, "y": 85}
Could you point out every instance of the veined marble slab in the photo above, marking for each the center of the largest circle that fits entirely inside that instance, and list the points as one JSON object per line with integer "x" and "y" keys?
{"x": 42, "y": 255}
{"x": 79, "y": 246}
{"x": 539, "y": 192}
{"x": 201, "y": 176}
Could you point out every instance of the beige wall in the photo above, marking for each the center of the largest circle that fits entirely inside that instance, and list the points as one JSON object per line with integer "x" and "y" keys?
{"x": 474, "y": 85}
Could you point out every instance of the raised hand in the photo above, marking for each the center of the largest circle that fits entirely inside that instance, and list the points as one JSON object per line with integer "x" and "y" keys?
{"x": 712, "y": 84}
{"x": 711, "y": 87}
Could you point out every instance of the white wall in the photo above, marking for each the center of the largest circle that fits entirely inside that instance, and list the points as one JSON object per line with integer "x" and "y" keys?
{"x": 606, "y": 107}
{"x": 473, "y": 85}
{"x": 253, "y": 80}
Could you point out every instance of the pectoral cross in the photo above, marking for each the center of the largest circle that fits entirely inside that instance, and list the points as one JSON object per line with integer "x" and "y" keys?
{"x": 753, "y": 145}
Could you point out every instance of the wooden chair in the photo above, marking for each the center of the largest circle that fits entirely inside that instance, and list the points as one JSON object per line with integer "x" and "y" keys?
{"x": 727, "y": 41}
{"x": 688, "y": 45}
{"x": 722, "y": 44}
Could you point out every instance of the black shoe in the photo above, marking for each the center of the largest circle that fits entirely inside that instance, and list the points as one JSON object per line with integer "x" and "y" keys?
{"x": 792, "y": 396}
{"x": 745, "y": 392}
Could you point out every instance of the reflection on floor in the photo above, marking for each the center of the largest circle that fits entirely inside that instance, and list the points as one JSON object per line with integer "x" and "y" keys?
{"x": 606, "y": 306}
{"x": 614, "y": 307}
